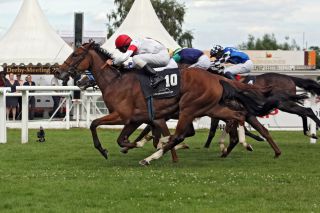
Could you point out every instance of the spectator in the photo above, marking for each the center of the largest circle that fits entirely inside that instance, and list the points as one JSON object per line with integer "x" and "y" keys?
{"x": 11, "y": 102}
{"x": 19, "y": 79}
{"x": 19, "y": 108}
{"x": 2, "y": 77}
{"x": 32, "y": 101}
{"x": 56, "y": 99}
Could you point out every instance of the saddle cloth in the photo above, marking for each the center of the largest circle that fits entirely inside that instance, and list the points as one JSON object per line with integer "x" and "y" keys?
{"x": 168, "y": 88}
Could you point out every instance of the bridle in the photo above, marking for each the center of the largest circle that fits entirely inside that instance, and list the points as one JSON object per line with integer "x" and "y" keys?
{"x": 73, "y": 67}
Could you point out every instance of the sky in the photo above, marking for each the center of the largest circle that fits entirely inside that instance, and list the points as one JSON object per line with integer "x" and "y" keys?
{"x": 224, "y": 22}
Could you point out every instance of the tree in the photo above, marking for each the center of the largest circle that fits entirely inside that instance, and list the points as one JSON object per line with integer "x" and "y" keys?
{"x": 268, "y": 42}
{"x": 170, "y": 13}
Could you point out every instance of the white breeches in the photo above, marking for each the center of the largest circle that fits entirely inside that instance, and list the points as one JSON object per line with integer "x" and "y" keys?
{"x": 160, "y": 59}
{"x": 203, "y": 62}
{"x": 240, "y": 68}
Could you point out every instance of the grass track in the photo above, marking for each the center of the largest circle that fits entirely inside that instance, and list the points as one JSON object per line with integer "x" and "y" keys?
{"x": 66, "y": 174}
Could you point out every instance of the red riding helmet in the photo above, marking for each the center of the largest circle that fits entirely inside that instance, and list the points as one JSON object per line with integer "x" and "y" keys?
{"x": 123, "y": 41}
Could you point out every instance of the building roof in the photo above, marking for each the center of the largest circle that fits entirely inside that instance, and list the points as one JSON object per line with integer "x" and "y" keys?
{"x": 31, "y": 39}
{"x": 142, "y": 21}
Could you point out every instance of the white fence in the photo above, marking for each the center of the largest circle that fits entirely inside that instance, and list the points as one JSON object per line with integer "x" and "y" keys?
{"x": 85, "y": 107}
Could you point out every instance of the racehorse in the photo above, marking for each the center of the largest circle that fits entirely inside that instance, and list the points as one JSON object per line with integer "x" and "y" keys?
{"x": 281, "y": 83}
{"x": 124, "y": 98}
{"x": 143, "y": 137}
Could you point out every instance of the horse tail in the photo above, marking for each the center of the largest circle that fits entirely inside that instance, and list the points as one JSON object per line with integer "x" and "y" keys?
{"x": 307, "y": 84}
{"x": 256, "y": 105}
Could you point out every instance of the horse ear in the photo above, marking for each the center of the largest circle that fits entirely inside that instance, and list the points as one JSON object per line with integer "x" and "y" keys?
{"x": 91, "y": 41}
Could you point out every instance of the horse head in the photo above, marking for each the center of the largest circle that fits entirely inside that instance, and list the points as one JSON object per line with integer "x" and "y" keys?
{"x": 85, "y": 83}
{"x": 77, "y": 63}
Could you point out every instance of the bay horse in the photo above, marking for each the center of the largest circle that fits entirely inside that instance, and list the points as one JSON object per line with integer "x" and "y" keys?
{"x": 124, "y": 98}
{"x": 281, "y": 83}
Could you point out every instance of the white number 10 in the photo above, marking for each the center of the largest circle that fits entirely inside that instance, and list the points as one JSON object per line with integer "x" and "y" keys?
{"x": 171, "y": 80}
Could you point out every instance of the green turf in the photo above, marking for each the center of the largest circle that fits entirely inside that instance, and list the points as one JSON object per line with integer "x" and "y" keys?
{"x": 66, "y": 174}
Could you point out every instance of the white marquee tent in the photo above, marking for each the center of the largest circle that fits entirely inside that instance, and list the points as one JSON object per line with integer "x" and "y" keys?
{"x": 142, "y": 21}
{"x": 31, "y": 39}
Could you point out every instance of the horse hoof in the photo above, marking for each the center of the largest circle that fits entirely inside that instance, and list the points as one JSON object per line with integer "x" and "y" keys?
{"x": 105, "y": 154}
{"x": 249, "y": 148}
{"x": 144, "y": 163}
{"x": 224, "y": 155}
{"x": 276, "y": 155}
{"x": 185, "y": 146}
{"x": 124, "y": 150}
{"x": 314, "y": 136}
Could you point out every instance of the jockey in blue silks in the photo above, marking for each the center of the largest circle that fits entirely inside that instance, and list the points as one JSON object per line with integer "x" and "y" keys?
{"x": 192, "y": 57}
{"x": 240, "y": 60}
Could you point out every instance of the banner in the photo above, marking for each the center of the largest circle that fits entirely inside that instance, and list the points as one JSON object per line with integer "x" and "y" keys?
{"x": 31, "y": 69}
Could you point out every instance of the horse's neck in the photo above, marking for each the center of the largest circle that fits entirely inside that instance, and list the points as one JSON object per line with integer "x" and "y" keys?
{"x": 104, "y": 76}
{"x": 107, "y": 79}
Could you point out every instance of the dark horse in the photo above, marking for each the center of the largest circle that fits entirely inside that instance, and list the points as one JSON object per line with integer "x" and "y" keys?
{"x": 281, "y": 83}
{"x": 123, "y": 96}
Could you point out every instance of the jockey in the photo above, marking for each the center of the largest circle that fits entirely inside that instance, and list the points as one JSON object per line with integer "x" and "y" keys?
{"x": 194, "y": 57}
{"x": 146, "y": 54}
{"x": 241, "y": 61}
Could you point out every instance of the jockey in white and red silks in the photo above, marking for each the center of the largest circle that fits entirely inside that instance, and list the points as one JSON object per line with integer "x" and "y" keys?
{"x": 146, "y": 54}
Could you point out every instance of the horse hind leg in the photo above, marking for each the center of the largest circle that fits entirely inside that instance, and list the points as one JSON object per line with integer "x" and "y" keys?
{"x": 304, "y": 112}
{"x": 162, "y": 125}
{"x": 184, "y": 120}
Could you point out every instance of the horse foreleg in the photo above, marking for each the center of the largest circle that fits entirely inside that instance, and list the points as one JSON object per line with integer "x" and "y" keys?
{"x": 242, "y": 138}
{"x": 111, "y": 119}
{"x": 184, "y": 120}
{"x": 233, "y": 141}
{"x": 127, "y": 130}
{"x": 165, "y": 132}
{"x": 222, "y": 141}
{"x": 251, "y": 135}
{"x": 143, "y": 136}
{"x": 305, "y": 125}
{"x": 265, "y": 133}
{"x": 212, "y": 131}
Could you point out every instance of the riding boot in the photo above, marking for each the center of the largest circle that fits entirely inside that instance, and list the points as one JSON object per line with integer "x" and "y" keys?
{"x": 156, "y": 79}
{"x": 229, "y": 75}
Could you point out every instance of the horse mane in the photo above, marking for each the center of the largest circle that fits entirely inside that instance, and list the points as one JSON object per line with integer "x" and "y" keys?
{"x": 102, "y": 52}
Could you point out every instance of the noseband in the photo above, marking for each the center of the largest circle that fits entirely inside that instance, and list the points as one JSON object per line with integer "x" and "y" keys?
{"x": 73, "y": 67}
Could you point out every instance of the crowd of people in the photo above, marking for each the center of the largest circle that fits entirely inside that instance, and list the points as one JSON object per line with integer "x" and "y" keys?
{"x": 14, "y": 103}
